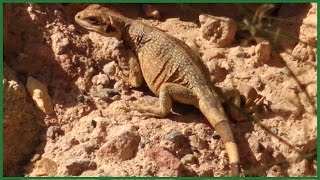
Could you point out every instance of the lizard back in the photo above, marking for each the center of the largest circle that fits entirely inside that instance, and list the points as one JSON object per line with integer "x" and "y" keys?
{"x": 164, "y": 58}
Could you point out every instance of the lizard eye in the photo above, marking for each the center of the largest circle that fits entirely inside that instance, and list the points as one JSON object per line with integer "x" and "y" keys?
{"x": 94, "y": 21}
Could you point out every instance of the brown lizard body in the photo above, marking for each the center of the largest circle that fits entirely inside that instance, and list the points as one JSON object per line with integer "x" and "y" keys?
{"x": 170, "y": 68}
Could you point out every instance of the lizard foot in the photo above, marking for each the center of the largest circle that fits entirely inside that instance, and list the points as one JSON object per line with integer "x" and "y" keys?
{"x": 241, "y": 109}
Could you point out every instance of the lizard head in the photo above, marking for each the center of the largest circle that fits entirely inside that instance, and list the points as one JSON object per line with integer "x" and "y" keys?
{"x": 99, "y": 19}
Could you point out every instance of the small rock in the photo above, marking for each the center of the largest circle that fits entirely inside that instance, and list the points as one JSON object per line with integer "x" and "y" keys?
{"x": 286, "y": 108}
{"x": 39, "y": 93}
{"x": 274, "y": 130}
{"x": 69, "y": 144}
{"x": 303, "y": 52}
{"x": 119, "y": 86}
{"x": 308, "y": 30}
{"x": 150, "y": 11}
{"x": 123, "y": 144}
{"x": 88, "y": 147}
{"x": 73, "y": 141}
{"x": 77, "y": 166}
{"x": 144, "y": 142}
{"x": 54, "y": 131}
{"x": 178, "y": 139}
{"x": 263, "y": 52}
{"x": 110, "y": 68}
{"x": 198, "y": 143}
{"x": 219, "y": 31}
{"x": 169, "y": 165}
{"x": 105, "y": 92}
{"x": 189, "y": 159}
{"x": 100, "y": 122}
{"x": 101, "y": 79}
{"x": 83, "y": 98}
{"x": 174, "y": 136}
{"x": 45, "y": 167}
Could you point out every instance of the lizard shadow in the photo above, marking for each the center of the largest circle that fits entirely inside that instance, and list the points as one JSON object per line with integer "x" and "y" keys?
{"x": 189, "y": 114}
{"x": 251, "y": 165}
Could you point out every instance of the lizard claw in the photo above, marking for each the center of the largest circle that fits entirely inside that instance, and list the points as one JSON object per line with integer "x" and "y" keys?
{"x": 242, "y": 109}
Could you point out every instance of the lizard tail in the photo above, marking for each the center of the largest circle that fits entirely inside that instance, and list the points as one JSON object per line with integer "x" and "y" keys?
{"x": 214, "y": 112}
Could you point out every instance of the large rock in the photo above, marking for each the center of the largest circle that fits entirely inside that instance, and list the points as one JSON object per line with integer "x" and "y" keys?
{"x": 21, "y": 131}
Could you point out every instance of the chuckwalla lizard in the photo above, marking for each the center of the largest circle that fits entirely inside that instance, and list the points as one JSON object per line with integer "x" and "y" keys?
{"x": 171, "y": 69}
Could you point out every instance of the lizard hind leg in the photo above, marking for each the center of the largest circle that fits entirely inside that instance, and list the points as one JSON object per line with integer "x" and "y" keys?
{"x": 167, "y": 93}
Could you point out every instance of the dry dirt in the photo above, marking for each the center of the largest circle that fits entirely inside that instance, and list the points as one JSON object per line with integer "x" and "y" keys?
{"x": 87, "y": 136}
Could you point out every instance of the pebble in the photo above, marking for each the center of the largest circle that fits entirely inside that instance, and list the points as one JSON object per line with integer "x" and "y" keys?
{"x": 169, "y": 165}
{"x": 174, "y": 136}
{"x": 77, "y": 166}
{"x": 119, "y": 86}
{"x": 88, "y": 147}
{"x": 151, "y": 11}
{"x": 220, "y": 31}
{"x": 100, "y": 79}
{"x": 40, "y": 96}
{"x": 54, "y": 131}
{"x": 189, "y": 159}
{"x": 110, "y": 68}
{"x": 144, "y": 142}
{"x": 263, "y": 52}
{"x": 123, "y": 144}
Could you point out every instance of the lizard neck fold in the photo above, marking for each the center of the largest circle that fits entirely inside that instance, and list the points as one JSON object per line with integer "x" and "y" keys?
{"x": 135, "y": 36}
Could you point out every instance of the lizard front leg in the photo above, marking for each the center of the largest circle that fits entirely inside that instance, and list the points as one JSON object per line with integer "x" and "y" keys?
{"x": 135, "y": 78}
{"x": 167, "y": 93}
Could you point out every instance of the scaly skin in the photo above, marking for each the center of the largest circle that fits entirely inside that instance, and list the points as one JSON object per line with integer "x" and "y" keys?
{"x": 170, "y": 68}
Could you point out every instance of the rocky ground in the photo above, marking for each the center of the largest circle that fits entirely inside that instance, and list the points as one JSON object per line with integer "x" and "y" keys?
{"x": 62, "y": 84}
